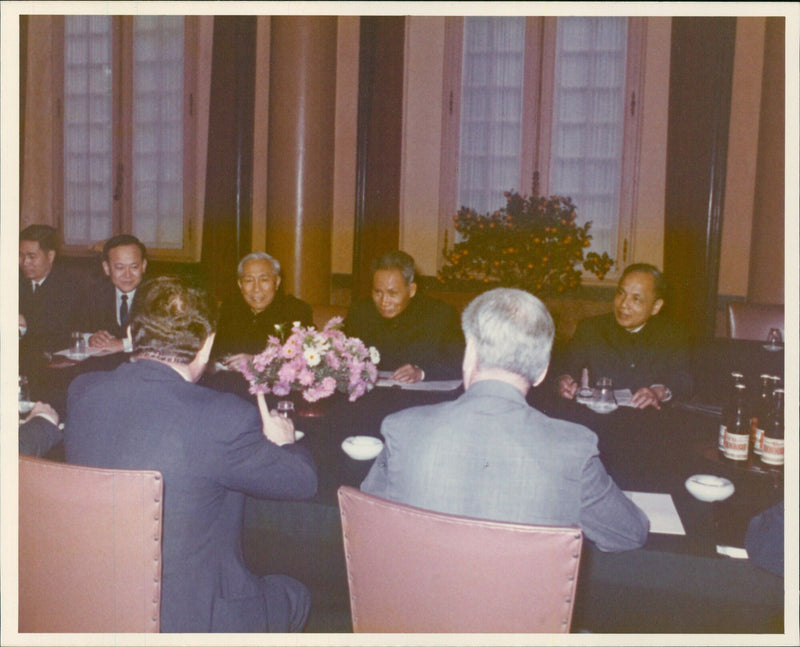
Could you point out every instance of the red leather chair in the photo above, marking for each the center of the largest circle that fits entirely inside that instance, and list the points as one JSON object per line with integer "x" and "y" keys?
{"x": 753, "y": 320}
{"x": 413, "y": 571}
{"x": 89, "y": 548}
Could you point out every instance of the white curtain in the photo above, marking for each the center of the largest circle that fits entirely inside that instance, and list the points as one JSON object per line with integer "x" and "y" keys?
{"x": 158, "y": 130}
{"x": 491, "y": 111}
{"x": 88, "y": 161}
{"x": 155, "y": 121}
{"x": 588, "y": 115}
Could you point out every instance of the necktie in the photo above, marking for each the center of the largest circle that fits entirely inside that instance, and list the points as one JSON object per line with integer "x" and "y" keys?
{"x": 123, "y": 311}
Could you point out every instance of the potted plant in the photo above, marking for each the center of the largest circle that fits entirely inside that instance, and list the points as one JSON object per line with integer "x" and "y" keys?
{"x": 532, "y": 243}
{"x": 314, "y": 364}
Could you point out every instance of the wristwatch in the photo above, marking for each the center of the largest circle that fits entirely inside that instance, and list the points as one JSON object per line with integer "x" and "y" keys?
{"x": 667, "y": 393}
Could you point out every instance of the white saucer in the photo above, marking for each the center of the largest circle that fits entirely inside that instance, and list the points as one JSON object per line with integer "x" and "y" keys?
{"x": 707, "y": 487}
{"x": 771, "y": 347}
{"x": 362, "y": 448}
{"x": 298, "y": 434}
{"x": 601, "y": 409}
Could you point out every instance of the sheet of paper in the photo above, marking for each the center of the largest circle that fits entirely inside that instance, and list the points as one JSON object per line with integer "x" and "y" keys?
{"x": 425, "y": 385}
{"x": 660, "y": 509}
{"x": 91, "y": 351}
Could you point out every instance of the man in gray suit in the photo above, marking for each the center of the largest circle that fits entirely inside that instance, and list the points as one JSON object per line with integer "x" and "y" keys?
{"x": 489, "y": 454}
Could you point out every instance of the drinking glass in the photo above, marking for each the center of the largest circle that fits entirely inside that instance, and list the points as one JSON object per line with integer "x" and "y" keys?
{"x": 285, "y": 408}
{"x": 604, "y": 399}
{"x": 774, "y": 337}
{"x": 78, "y": 346}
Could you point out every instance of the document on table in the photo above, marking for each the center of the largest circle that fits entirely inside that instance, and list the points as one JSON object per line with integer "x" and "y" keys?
{"x": 660, "y": 509}
{"x": 385, "y": 379}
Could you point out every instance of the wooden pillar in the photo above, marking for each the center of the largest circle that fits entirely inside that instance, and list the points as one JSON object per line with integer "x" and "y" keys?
{"x": 228, "y": 201}
{"x": 701, "y": 69}
{"x": 302, "y": 95}
{"x": 379, "y": 141}
{"x": 767, "y": 263}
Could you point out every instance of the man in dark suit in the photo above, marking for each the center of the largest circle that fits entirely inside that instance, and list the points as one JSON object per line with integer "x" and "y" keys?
{"x": 418, "y": 337}
{"x": 108, "y": 305}
{"x": 212, "y": 448}
{"x": 635, "y": 346}
{"x": 490, "y": 455}
{"x": 48, "y": 297}
{"x": 40, "y": 432}
{"x": 249, "y": 318}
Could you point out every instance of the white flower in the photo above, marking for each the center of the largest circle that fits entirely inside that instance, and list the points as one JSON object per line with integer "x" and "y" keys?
{"x": 374, "y": 355}
{"x": 312, "y": 356}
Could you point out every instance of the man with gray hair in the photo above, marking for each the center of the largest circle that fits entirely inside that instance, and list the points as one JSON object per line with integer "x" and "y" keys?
{"x": 490, "y": 455}
{"x": 250, "y": 317}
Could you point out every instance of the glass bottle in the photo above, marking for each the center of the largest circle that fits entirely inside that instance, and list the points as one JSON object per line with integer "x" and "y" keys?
{"x": 737, "y": 426}
{"x": 772, "y": 448}
{"x": 730, "y": 402}
{"x": 760, "y": 413}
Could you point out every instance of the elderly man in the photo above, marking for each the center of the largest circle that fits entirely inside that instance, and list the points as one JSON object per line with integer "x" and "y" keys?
{"x": 490, "y": 455}
{"x": 48, "y": 306}
{"x": 247, "y": 320}
{"x": 107, "y": 310}
{"x": 636, "y": 347}
{"x": 418, "y": 337}
{"x": 213, "y": 449}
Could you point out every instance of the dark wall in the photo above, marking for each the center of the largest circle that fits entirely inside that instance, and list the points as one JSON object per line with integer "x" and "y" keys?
{"x": 701, "y": 68}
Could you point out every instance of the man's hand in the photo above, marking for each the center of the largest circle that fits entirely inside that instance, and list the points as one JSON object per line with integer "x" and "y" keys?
{"x": 567, "y": 387}
{"x": 236, "y": 362}
{"x": 46, "y": 409}
{"x": 105, "y": 340}
{"x": 276, "y": 428}
{"x": 646, "y": 397}
{"x": 408, "y": 373}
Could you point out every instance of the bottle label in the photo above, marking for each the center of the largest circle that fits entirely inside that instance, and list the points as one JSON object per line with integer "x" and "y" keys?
{"x": 758, "y": 441}
{"x": 736, "y": 446}
{"x": 772, "y": 451}
{"x": 721, "y": 442}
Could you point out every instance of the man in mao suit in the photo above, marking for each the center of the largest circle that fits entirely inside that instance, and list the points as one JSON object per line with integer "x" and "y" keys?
{"x": 108, "y": 304}
{"x": 418, "y": 337}
{"x": 489, "y": 454}
{"x": 48, "y": 303}
{"x": 212, "y": 449}
{"x": 638, "y": 348}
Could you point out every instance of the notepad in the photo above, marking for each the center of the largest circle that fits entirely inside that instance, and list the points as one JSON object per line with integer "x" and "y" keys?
{"x": 660, "y": 510}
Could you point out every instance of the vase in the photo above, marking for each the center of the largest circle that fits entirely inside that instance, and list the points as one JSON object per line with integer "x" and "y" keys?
{"x": 318, "y": 409}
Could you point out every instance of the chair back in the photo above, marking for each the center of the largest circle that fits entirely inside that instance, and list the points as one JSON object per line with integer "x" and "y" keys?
{"x": 753, "y": 320}
{"x": 413, "y": 570}
{"x": 89, "y": 548}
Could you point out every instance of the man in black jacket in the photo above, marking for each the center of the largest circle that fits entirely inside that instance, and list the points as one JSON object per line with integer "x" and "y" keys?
{"x": 418, "y": 337}
{"x": 636, "y": 347}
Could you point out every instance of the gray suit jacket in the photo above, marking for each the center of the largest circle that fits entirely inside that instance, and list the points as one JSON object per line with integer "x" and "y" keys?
{"x": 490, "y": 455}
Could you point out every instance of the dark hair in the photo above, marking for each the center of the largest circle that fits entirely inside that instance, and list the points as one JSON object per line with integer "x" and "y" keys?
{"x": 659, "y": 284}
{"x": 396, "y": 260}
{"x": 170, "y": 319}
{"x": 120, "y": 240}
{"x": 45, "y": 235}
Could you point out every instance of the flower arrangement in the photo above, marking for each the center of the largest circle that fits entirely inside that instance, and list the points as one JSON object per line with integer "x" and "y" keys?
{"x": 315, "y": 362}
{"x": 532, "y": 243}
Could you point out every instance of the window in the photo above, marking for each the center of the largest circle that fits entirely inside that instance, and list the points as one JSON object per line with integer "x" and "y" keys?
{"x": 127, "y": 131}
{"x": 544, "y": 101}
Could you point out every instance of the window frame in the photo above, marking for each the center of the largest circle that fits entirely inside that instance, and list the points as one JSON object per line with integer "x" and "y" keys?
{"x": 538, "y": 95}
{"x": 122, "y": 110}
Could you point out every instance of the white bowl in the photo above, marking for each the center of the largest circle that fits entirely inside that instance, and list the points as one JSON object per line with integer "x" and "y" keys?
{"x": 298, "y": 434}
{"x": 362, "y": 448}
{"x": 707, "y": 487}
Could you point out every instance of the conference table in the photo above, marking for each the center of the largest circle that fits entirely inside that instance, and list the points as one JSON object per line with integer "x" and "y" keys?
{"x": 675, "y": 583}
